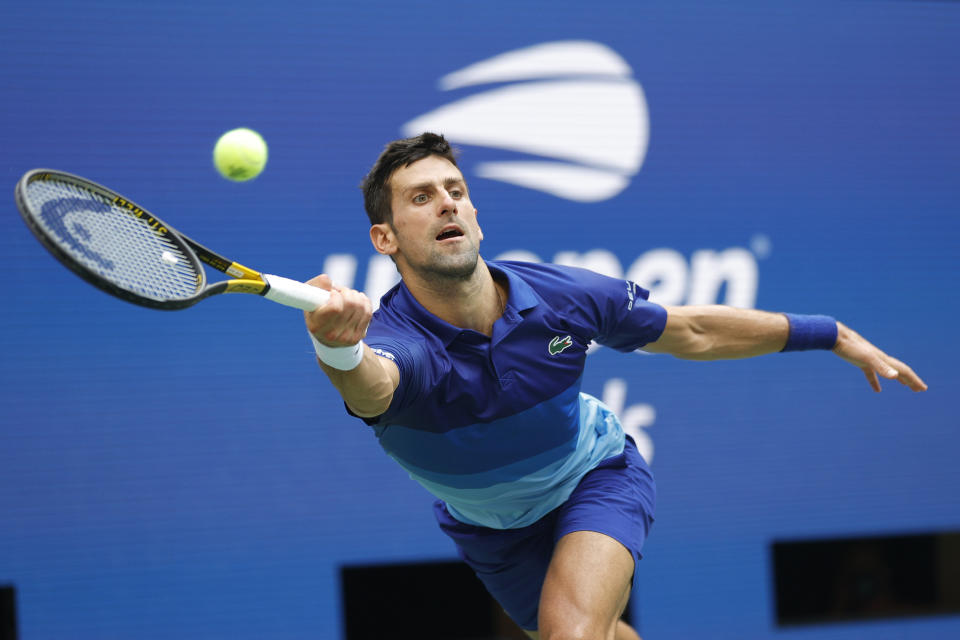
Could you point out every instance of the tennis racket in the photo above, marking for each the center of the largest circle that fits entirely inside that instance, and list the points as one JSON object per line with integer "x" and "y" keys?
{"x": 128, "y": 252}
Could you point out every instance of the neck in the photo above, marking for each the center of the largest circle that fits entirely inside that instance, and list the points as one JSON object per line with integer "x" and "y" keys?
{"x": 472, "y": 303}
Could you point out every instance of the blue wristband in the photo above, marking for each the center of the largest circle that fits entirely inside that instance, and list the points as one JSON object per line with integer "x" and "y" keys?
{"x": 810, "y": 332}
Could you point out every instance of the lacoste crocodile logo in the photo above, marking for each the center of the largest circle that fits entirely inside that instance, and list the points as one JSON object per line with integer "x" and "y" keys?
{"x": 558, "y": 344}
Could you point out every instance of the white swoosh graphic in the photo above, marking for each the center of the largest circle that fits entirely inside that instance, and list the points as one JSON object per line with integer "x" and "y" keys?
{"x": 570, "y": 181}
{"x": 551, "y": 59}
{"x": 599, "y": 123}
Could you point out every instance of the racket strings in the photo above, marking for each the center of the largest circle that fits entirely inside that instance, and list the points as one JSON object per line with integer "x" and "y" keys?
{"x": 112, "y": 242}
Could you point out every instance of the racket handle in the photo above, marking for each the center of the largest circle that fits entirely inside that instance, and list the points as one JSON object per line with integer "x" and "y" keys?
{"x": 294, "y": 294}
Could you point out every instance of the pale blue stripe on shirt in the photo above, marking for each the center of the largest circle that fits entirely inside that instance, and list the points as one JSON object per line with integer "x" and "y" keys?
{"x": 521, "y": 493}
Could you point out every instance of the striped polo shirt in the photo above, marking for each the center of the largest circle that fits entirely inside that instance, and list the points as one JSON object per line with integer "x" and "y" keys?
{"x": 496, "y": 426}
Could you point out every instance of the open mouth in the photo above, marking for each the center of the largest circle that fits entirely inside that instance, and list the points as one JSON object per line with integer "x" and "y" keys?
{"x": 450, "y": 232}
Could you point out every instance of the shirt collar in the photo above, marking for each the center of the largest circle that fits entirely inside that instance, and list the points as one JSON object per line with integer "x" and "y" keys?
{"x": 521, "y": 298}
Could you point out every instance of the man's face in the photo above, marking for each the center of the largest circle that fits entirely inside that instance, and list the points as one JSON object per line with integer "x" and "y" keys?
{"x": 434, "y": 230}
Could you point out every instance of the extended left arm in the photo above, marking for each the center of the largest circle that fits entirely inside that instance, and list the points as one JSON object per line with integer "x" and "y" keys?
{"x": 714, "y": 332}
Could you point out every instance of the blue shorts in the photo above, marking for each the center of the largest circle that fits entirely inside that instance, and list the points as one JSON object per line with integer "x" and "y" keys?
{"x": 616, "y": 498}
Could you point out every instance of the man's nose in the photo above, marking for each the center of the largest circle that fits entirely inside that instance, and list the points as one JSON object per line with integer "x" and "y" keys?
{"x": 447, "y": 203}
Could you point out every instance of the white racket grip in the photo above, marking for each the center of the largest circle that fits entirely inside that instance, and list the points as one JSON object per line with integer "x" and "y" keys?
{"x": 295, "y": 294}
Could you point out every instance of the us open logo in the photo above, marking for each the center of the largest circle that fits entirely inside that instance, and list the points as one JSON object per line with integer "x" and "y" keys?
{"x": 573, "y": 103}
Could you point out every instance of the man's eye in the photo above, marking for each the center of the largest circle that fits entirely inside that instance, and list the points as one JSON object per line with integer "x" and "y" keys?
{"x": 456, "y": 193}
{"x": 420, "y": 198}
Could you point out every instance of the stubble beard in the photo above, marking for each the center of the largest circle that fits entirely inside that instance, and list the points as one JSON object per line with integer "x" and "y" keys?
{"x": 442, "y": 269}
{"x": 451, "y": 268}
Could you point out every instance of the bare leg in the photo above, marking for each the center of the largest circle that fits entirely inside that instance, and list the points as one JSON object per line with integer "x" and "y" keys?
{"x": 624, "y": 632}
{"x": 586, "y": 589}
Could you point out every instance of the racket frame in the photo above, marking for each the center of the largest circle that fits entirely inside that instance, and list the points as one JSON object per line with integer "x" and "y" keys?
{"x": 245, "y": 280}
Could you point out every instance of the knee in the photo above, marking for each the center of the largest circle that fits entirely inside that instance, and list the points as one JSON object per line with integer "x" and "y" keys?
{"x": 574, "y": 630}
{"x": 572, "y": 634}
{"x": 564, "y": 620}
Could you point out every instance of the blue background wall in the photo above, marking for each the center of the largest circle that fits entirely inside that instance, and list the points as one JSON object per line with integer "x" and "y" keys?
{"x": 192, "y": 474}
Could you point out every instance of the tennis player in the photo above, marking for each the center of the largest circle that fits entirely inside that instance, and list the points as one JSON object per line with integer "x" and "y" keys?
{"x": 470, "y": 372}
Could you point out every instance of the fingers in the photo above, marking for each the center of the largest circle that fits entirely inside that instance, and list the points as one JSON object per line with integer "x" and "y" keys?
{"x": 343, "y": 320}
{"x": 887, "y": 370}
{"x": 893, "y": 369}
{"x": 322, "y": 281}
{"x": 906, "y": 375}
{"x": 853, "y": 348}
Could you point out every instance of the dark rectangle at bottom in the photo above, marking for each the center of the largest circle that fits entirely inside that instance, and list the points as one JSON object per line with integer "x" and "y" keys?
{"x": 866, "y": 578}
{"x": 8, "y": 613}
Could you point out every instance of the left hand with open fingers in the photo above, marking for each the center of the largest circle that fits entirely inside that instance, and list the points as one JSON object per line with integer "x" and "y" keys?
{"x": 857, "y": 350}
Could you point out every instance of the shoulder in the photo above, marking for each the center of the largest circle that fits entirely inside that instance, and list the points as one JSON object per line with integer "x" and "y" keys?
{"x": 562, "y": 283}
{"x": 533, "y": 270}
{"x": 548, "y": 277}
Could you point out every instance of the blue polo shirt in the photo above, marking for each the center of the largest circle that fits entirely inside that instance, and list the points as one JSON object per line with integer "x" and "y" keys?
{"x": 497, "y": 427}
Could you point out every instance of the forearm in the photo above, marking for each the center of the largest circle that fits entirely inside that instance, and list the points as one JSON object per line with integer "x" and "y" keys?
{"x": 715, "y": 332}
{"x": 368, "y": 388}
{"x": 365, "y": 380}
{"x": 718, "y": 332}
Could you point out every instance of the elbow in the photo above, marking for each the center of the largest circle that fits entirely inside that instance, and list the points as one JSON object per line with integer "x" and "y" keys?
{"x": 695, "y": 343}
{"x": 696, "y": 349}
{"x": 686, "y": 335}
{"x": 373, "y": 404}
{"x": 365, "y": 412}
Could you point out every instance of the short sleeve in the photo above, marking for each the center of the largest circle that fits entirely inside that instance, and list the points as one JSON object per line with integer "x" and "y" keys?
{"x": 623, "y": 316}
{"x": 411, "y": 359}
{"x": 634, "y": 321}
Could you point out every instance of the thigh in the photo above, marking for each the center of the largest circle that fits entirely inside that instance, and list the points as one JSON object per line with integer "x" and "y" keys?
{"x": 600, "y": 532}
{"x": 587, "y": 585}
{"x": 616, "y": 499}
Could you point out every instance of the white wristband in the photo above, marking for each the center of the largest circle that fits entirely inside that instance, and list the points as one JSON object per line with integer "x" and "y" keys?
{"x": 343, "y": 358}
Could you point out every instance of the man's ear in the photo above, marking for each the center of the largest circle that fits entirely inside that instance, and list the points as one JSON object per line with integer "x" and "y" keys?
{"x": 383, "y": 239}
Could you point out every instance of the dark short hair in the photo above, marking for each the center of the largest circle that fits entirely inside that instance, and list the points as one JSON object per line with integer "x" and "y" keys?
{"x": 397, "y": 154}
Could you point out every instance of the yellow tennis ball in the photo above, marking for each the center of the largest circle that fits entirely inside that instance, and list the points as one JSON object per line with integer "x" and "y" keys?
{"x": 240, "y": 154}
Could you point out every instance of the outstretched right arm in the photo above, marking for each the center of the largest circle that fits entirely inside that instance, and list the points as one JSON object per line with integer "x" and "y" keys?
{"x": 368, "y": 387}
